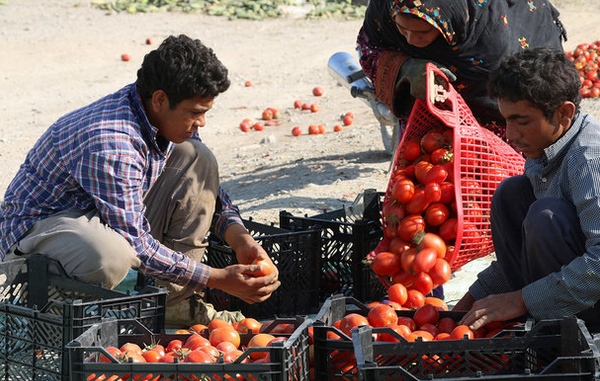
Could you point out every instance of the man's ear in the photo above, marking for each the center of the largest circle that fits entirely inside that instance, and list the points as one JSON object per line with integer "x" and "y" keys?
{"x": 159, "y": 101}
{"x": 565, "y": 113}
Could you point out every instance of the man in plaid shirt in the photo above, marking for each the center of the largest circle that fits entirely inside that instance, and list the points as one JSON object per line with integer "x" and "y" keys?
{"x": 125, "y": 182}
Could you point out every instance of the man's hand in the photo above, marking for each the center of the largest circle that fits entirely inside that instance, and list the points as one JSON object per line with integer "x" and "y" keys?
{"x": 237, "y": 281}
{"x": 500, "y": 307}
{"x": 247, "y": 251}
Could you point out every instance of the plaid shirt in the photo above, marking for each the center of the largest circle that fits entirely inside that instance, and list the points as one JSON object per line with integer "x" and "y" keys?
{"x": 569, "y": 170}
{"x": 104, "y": 156}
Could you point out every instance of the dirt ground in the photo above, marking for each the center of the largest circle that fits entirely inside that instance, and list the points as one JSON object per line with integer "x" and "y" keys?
{"x": 61, "y": 55}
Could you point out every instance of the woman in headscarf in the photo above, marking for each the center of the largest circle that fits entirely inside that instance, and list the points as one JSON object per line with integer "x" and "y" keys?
{"x": 467, "y": 38}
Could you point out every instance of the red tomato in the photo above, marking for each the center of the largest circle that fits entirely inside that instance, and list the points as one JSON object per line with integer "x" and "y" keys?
{"x": 420, "y": 336}
{"x": 382, "y": 315}
{"x": 403, "y": 190}
{"x": 424, "y": 260}
{"x": 403, "y": 277}
{"x": 397, "y": 246}
{"x": 296, "y": 131}
{"x": 415, "y": 299}
{"x": 461, "y": 332}
{"x": 313, "y": 129}
{"x": 224, "y": 334}
{"x": 423, "y": 283}
{"x": 433, "y": 241}
{"x": 267, "y": 114}
{"x": 436, "y": 214}
{"x": 407, "y": 258}
{"x": 393, "y": 212}
{"x": 318, "y": 91}
{"x": 114, "y": 351}
{"x": 441, "y": 156}
{"x": 338, "y": 128}
{"x": 431, "y": 328}
{"x": 198, "y": 356}
{"x": 401, "y": 330}
{"x": 130, "y": 349}
{"x": 125, "y": 57}
{"x": 448, "y": 229}
{"x": 595, "y": 92}
{"x": 427, "y": 313}
{"x": 174, "y": 345}
{"x": 151, "y": 356}
{"x": 398, "y": 293}
{"x": 436, "y": 174}
{"x": 446, "y": 325}
{"x": 347, "y": 120}
{"x": 418, "y": 203}
{"x": 249, "y": 325}
{"x": 421, "y": 170}
{"x": 433, "y": 192}
{"x": 410, "y": 150}
{"x": 432, "y": 140}
{"x": 266, "y": 267}
{"x": 440, "y": 272}
{"x": 438, "y": 303}
{"x": 350, "y": 321}
{"x": 386, "y": 264}
{"x": 410, "y": 225}
{"x": 405, "y": 320}
{"x": 298, "y": 103}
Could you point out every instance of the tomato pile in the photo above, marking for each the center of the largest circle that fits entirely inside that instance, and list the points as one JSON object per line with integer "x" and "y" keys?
{"x": 271, "y": 117}
{"x": 419, "y": 220}
{"x": 217, "y": 342}
{"x": 585, "y": 58}
{"x": 424, "y": 324}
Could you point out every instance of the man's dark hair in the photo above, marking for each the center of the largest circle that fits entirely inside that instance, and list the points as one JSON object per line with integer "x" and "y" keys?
{"x": 542, "y": 76}
{"x": 183, "y": 68}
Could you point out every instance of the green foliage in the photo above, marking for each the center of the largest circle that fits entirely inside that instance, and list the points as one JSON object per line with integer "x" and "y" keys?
{"x": 237, "y": 9}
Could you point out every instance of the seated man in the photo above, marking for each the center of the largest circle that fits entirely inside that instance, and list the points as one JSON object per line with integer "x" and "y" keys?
{"x": 545, "y": 223}
{"x": 126, "y": 183}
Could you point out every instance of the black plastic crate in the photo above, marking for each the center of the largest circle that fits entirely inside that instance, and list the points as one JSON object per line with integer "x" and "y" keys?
{"x": 335, "y": 358}
{"x": 42, "y": 310}
{"x": 296, "y": 255}
{"x": 560, "y": 349}
{"x": 288, "y": 360}
{"x": 349, "y": 234}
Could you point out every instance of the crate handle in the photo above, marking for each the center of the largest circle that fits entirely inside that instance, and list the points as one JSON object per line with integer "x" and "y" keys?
{"x": 439, "y": 91}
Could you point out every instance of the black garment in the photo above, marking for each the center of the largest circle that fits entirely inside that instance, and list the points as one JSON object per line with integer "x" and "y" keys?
{"x": 475, "y": 36}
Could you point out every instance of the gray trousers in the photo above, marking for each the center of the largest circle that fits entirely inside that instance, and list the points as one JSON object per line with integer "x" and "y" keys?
{"x": 179, "y": 207}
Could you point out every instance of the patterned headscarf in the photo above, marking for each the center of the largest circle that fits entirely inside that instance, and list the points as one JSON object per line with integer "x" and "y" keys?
{"x": 475, "y": 36}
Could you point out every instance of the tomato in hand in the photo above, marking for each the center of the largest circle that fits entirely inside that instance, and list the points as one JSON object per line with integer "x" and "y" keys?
{"x": 266, "y": 267}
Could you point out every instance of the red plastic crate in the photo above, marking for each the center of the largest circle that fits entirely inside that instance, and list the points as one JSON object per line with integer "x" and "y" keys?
{"x": 478, "y": 154}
